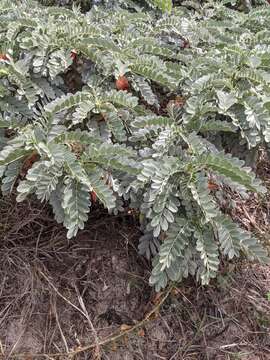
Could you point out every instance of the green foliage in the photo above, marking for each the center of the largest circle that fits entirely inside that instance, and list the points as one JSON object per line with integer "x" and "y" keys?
{"x": 198, "y": 82}
{"x": 76, "y": 204}
{"x": 164, "y": 5}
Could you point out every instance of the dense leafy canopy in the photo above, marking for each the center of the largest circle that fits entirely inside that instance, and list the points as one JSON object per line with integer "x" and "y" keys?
{"x": 196, "y": 88}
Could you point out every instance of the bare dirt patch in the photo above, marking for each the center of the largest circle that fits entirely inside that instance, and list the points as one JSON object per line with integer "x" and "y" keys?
{"x": 57, "y": 297}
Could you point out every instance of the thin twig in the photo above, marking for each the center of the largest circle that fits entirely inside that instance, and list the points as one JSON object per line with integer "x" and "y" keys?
{"x": 58, "y": 324}
{"x": 81, "y": 302}
{"x": 112, "y": 338}
{"x": 59, "y": 294}
{"x": 1, "y": 349}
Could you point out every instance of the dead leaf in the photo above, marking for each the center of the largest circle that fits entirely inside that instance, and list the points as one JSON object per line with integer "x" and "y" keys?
{"x": 175, "y": 292}
{"x": 114, "y": 346}
{"x": 125, "y": 339}
{"x": 157, "y": 298}
{"x": 125, "y": 327}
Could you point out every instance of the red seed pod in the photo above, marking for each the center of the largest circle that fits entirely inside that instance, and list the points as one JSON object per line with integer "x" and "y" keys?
{"x": 122, "y": 83}
{"x": 73, "y": 55}
{"x": 93, "y": 197}
{"x": 4, "y": 57}
{"x": 28, "y": 163}
{"x": 212, "y": 185}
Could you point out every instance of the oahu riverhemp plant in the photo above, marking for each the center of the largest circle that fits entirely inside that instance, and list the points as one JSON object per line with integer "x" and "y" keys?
{"x": 138, "y": 107}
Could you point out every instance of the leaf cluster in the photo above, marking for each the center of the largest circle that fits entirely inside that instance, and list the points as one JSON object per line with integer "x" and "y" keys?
{"x": 198, "y": 83}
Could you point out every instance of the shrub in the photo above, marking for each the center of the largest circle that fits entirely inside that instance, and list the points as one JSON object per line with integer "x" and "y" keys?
{"x": 138, "y": 109}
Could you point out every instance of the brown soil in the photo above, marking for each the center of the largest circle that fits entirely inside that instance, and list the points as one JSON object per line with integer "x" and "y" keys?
{"x": 59, "y": 297}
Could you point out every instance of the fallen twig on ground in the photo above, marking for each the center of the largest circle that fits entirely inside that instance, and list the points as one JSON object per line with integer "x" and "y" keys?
{"x": 110, "y": 339}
